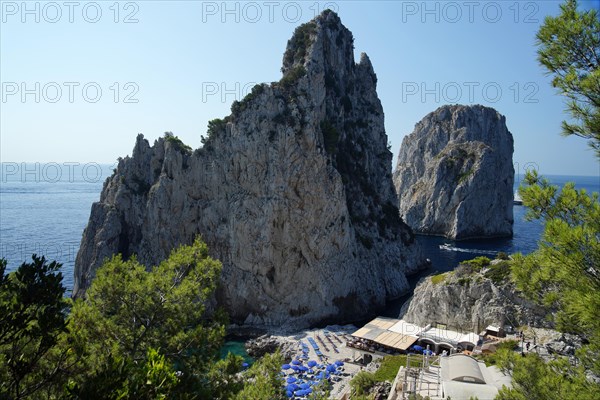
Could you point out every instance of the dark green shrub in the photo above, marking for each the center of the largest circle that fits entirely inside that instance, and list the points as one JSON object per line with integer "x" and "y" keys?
{"x": 362, "y": 383}
{"x": 299, "y": 43}
{"x": 463, "y": 177}
{"x": 331, "y": 83}
{"x": 464, "y": 281}
{"x": 239, "y": 106}
{"x": 347, "y": 103}
{"x": 330, "y": 136}
{"x": 365, "y": 241}
{"x": 292, "y": 76}
{"x": 177, "y": 143}
{"x": 215, "y": 126}
{"x": 498, "y": 272}
{"x": 478, "y": 263}
{"x": 141, "y": 187}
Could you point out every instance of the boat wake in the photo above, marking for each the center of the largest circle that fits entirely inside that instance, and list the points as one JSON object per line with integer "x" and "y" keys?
{"x": 448, "y": 247}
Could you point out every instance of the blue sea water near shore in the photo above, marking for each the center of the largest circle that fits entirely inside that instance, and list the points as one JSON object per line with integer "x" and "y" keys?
{"x": 236, "y": 347}
{"x": 45, "y": 207}
{"x": 526, "y": 234}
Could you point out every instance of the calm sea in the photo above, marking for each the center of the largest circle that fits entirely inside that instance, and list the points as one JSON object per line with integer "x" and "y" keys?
{"x": 45, "y": 207}
{"x": 525, "y": 233}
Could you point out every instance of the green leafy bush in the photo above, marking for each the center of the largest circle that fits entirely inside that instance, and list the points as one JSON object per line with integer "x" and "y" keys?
{"x": 239, "y": 106}
{"x": 463, "y": 177}
{"x": 215, "y": 126}
{"x": 465, "y": 281}
{"x": 478, "y": 263}
{"x": 128, "y": 311}
{"x": 362, "y": 383}
{"x": 32, "y": 317}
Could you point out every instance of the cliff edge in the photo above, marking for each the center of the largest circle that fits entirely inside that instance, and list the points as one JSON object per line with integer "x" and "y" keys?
{"x": 293, "y": 192}
{"x": 476, "y": 294}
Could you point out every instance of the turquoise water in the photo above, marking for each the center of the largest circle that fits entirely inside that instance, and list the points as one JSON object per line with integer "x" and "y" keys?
{"x": 236, "y": 347}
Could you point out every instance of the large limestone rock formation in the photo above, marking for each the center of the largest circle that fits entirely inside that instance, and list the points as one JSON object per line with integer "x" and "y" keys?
{"x": 293, "y": 192}
{"x": 455, "y": 174}
{"x": 469, "y": 300}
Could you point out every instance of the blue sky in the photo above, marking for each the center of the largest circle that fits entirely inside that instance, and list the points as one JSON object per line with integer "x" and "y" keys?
{"x": 81, "y": 79}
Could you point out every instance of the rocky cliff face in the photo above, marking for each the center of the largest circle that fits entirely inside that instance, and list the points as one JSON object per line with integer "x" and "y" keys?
{"x": 293, "y": 192}
{"x": 455, "y": 174}
{"x": 470, "y": 300}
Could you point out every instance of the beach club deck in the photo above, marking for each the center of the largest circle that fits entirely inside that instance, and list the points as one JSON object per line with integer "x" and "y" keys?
{"x": 390, "y": 335}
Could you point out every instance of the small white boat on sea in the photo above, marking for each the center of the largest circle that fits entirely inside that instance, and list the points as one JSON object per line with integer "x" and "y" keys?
{"x": 449, "y": 247}
{"x": 517, "y": 199}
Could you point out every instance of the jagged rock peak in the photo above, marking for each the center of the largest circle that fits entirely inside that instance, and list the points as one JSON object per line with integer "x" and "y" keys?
{"x": 326, "y": 28}
{"x": 293, "y": 192}
{"x": 455, "y": 174}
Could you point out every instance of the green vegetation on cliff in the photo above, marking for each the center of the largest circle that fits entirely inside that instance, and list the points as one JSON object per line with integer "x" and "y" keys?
{"x": 498, "y": 271}
{"x": 292, "y": 76}
{"x": 178, "y": 143}
{"x": 299, "y": 43}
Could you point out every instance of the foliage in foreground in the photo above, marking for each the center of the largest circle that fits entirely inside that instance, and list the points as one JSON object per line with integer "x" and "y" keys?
{"x": 362, "y": 383}
{"x": 493, "y": 359}
{"x": 535, "y": 379}
{"x": 129, "y": 313}
{"x": 569, "y": 49}
{"x": 137, "y": 335}
{"x": 564, "y": 272}
{"x": 32, "y": 316}
{"x": 264, "y": 381}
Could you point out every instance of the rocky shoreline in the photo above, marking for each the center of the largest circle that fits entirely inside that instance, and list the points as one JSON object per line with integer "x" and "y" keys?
{"x": 476, "y": 294}
{"x": 332, "y": 345}
{"x": 286, "y": 341}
